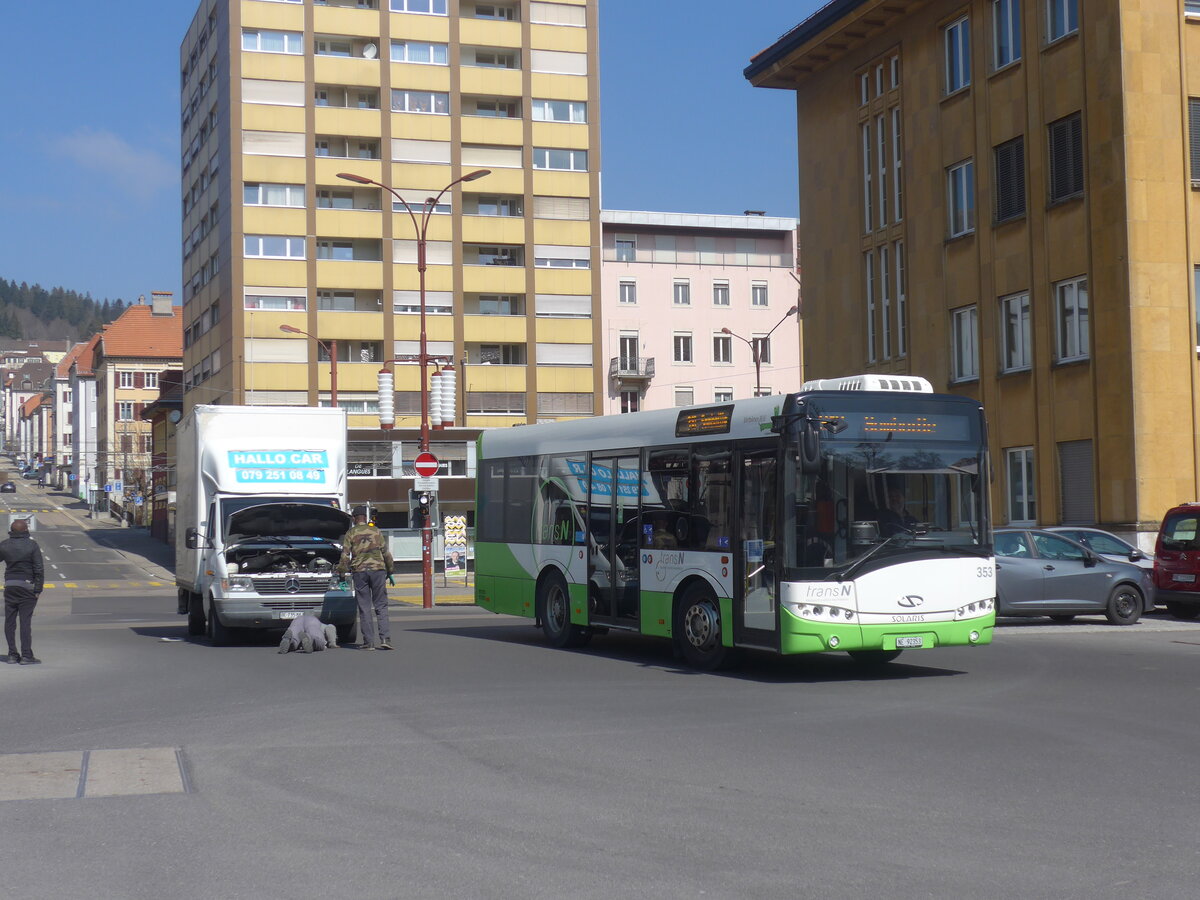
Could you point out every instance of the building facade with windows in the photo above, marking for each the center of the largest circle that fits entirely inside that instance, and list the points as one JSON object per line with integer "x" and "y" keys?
{"x": 688, "y": 299}
{"x": 281, "y": 97}
{"x": 1000, "y": 196}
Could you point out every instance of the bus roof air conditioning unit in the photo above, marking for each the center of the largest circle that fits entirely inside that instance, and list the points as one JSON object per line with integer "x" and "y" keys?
{"x": 908, "y": 383}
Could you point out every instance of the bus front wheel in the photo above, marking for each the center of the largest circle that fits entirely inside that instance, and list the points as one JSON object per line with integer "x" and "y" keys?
{"x": 554, "y": 610}
{"x": 698, "y": 625}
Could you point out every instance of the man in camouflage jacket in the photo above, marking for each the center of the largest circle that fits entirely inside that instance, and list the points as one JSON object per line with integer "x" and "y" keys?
{"x": 365, "y": 556}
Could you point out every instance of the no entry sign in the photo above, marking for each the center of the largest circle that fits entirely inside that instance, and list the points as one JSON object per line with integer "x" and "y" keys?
{"x": 426, "y": 464}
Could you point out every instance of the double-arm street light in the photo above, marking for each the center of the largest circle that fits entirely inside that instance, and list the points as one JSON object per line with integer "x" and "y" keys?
{"x": 421, "y": 228}
{"x": 330, "y": 347}
{"x": 756, "y": 345}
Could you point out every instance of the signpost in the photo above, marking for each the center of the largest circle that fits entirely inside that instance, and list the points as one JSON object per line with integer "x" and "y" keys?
{"x": 426, "y": 464}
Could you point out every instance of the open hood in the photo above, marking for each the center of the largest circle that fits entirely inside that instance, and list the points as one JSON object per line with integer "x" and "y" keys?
{"x": 303, "y": 520}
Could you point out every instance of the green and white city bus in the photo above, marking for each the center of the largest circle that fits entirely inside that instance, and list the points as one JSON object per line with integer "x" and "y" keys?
{"x": 852, "y": 516}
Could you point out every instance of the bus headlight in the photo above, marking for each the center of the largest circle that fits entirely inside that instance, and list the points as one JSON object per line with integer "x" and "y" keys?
{"x": 822, "y": 612}
{"x": 237, "y": 583}
{"x": 978, "y": 608}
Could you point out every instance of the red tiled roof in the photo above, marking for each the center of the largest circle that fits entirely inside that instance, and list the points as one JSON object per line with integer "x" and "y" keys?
{"x": 85, "y": 363}
{"x": 30, "y": 405}
{"x": 139, "y": 334}
{"x": 63, "y": 369}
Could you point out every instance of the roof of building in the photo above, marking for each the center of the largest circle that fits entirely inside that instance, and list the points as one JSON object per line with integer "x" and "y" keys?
{"x": 869, "y": 17}
{"x": 85, "y": 362}
{"x": 30, "y": 405}
{"x": 36, "y": 374}
{"x": 37, "y": 347}
{"x": 63, "y": 369}
{"x": 696, "y": 220}
{"x": 139, "y": 334}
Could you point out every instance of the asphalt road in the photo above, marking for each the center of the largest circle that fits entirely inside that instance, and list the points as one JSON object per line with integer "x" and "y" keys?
{"x": 476, "y": 762}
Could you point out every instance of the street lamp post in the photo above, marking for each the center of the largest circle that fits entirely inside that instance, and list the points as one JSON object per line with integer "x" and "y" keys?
{"x": 754, "y": 347}
{"x": 331, "y": 349}
{"x": 421, "y": 227}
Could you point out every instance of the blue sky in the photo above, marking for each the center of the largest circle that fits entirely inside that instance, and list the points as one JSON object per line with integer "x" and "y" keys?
{"x": 89, "y": 139}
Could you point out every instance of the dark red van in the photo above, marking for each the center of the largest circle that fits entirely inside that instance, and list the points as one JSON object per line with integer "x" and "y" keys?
{"x": 1177, "y": 561}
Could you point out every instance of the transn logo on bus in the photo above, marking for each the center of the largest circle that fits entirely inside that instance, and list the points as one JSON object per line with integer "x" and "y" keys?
{"x": 827, "y": 591}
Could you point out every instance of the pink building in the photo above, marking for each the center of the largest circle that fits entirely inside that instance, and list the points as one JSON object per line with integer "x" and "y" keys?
{"x": 684, "y": 298}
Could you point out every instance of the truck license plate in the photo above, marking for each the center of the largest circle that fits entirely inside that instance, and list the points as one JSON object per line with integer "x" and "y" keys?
{"x": 290, "y": 614}
{"x": 913, "y": 641}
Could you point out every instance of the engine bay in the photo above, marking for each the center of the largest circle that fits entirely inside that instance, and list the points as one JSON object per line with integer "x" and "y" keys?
{"x": 262, "y": 559}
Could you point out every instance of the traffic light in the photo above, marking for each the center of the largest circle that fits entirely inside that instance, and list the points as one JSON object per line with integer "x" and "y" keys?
{"x": 422, "y": 509}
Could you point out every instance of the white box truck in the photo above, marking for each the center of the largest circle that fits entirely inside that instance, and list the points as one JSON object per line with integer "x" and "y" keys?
{"x": 259, "y": 518}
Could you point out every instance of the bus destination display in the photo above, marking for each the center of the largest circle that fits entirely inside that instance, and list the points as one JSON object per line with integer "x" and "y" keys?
{"x": 710, "y": 420}
{"x": 908, "y": 427}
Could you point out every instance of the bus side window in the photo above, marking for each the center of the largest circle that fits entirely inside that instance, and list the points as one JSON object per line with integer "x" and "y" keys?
{"x": 711, "y": 528}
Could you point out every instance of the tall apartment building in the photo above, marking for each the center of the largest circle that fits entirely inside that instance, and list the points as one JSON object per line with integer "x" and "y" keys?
{"x": 1000, "y": 196}
{"x": 689, "y": 299}
{"x": 281, "y": 96}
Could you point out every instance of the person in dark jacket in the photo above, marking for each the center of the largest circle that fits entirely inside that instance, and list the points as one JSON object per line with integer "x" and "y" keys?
{"x": 24, "y": 575}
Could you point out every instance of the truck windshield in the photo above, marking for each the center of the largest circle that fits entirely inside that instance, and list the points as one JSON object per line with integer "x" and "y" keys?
{"x": 874, "y": 501}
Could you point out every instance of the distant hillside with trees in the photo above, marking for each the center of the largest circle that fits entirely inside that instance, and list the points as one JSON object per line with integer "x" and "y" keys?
{"x": 31, "y": 312}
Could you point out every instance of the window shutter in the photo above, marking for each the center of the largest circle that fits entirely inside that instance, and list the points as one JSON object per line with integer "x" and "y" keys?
{"x": 137, "y": 410}
{"x": 500, "y": 157}
{"x": 1010, "y": 180}
{"x": 1066, "y": 157}
{"x": 117, "y": 411}
{"x": 1077, "y": 482}
{"x": 272, "y": 143}
{"x": 1194, "y": 136}
{"x": 279, "y": 93}
{"x": 139, "y": 379}
{"x": 578, "y": 208}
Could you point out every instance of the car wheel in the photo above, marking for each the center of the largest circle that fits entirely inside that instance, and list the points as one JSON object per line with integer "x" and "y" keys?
{"x": 1187, "y": 611}
{"x": 873, "y": 658}
{"x": 1124, "y": 605}
{"x": 698, "y": 628}
{"x": 554, "y": 610}
{"x": 1062, "y": 619}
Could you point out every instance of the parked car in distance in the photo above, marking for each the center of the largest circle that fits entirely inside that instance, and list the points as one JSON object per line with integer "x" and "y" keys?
{"x": 1177, "y": 561}
{"x": 8, "y": 487}
{"x": 1039, "y": 573}
{"x": 1105, "y": 543}
{"x": 30, "y": 473}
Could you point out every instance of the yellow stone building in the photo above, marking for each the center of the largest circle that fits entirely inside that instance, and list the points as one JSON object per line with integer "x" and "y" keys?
{"x": 999, "y": 195}
{"x": 279, "y": 97}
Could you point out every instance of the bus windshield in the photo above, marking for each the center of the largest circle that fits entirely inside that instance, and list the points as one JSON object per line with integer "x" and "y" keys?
{"x": 873, "y": 501}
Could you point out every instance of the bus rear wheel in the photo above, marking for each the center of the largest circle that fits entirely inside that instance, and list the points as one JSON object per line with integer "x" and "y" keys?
{"x": 554, "y": 610}
{"x": 698, "y": 626}
{"x": 873, "y": 658}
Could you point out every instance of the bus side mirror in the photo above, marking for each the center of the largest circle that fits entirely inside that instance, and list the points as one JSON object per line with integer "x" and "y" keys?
{"x": 809, "y": 442}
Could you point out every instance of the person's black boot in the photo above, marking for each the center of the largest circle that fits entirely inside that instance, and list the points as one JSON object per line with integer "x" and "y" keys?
{"x": 29, "y": 660}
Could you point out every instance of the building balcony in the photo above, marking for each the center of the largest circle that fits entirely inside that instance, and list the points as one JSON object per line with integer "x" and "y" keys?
{"x": 631, "y": 369}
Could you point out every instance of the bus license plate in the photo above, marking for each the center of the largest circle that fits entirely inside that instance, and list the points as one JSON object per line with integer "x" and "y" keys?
{"x": 913, "y": 641}
{"x": 290, "y": 614}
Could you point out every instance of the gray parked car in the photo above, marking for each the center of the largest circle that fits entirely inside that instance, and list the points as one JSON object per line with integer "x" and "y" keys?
{"x": 1039, "y": 573}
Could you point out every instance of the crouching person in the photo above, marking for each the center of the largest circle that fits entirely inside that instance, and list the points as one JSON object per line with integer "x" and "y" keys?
{"x": 307, "y": 633}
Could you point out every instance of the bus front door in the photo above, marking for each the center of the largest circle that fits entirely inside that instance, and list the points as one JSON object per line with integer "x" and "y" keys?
{"x": 613, "y": 539}
{"x": 755, "y": 601}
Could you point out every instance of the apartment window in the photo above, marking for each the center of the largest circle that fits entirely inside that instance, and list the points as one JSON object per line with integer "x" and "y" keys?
{"x": 429, "y": 7}
{"x": 1015, "y": 333}
{"x": 626, "y": 249}
{"x": 758, "y": 293}
{"x": 1071, "y": 319}
{"x": 1009, "y": 159}
{"x": 273, "y": 246}
{"x": 628, "y": 345}
{"x": 958, "y": 55}
{"x": 901, "y": 302}
{"x": 421, "y": 102}
{"x": 720, "y": 293}
{"x": 1194, "y": 132}
{"x": 627, "y": 291}
{"x": 1062, "y": 18}
{"x": 965, "y": 350}
{"x": 1006, "y": 32}
{"x": 681, "y": 292}
{"x": 257, "y": 194}
{"x": 496, "y": 205}
{"x": 420, "y": 52}
{"x": 869, "y": 259}
{"x": 491, "y": 59}
{"x": 684, "y": 396}
{"x": 1022, "y": 505}
{"x": 897, "y": 161}
{"x": 881, "y": 158}
{"x": 894, "y": 64}
{"x": 723, "y": 395}
{"x": 762, "y": 391}
{"x": 124, "y": 379}
{"x": 868, "y": 189}
{"x": 1196, "y": 302}
{"x": 286, "y": 304}
{"x": 564, "y": 160}
{"x": 1066, "y": 157}
{"x": 960, "y": 198}
{"x": 495, "y": 11}
{"x": 722, "y": 349}
{"x": 762, "y": 346}
{"x": 125, "y": 411}
{"x": 885, "y": 297}
{"x": 272, "y": 41}
{"x": 1191, "y": 8}
{"x": 494, "y": 108}
{"x": 559, "y": 111}
{"x": 682, "y": 344}
{"x": 147, "y": 443}
{"x": 630, "y": 401}
{"x": 864, "y": 89}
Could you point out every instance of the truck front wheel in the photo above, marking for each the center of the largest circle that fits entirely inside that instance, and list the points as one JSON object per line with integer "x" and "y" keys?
{"x": 218, "y": 634}
{"x": 195, "y": 614}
